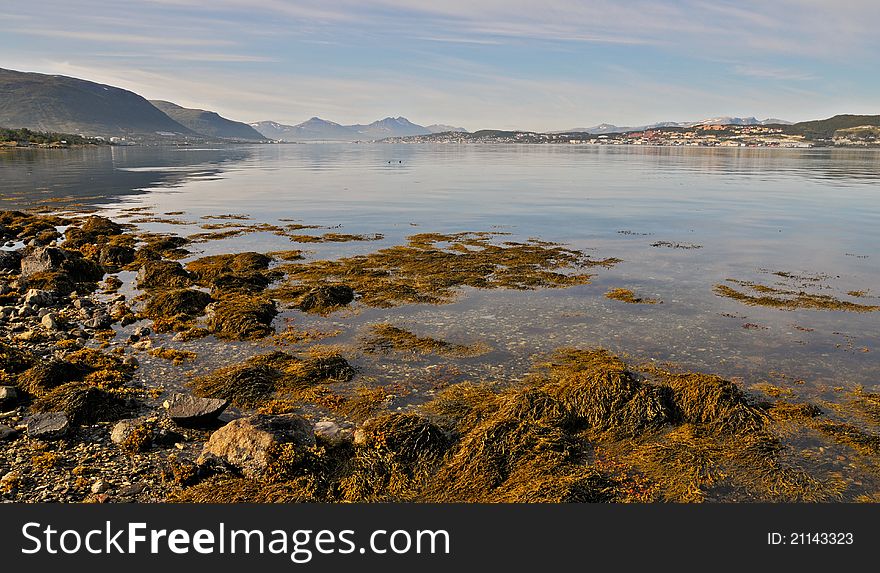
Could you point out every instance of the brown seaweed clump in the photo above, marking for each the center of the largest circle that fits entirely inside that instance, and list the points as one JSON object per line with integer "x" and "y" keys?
{"x": 586, "y": 427}
{"x": 175, "y": 309}
{"x": 83, "y": 403}
{"x": 431, "y": 267}
{"x": 241, "y": 317}
{"x": 241, "y": 272}
{"x": 177, "y": 357}
{"x": 628, "y": 296}
{"x": 162, "y": 275}
{"x": 277, "y": 374}
{"x": 385, "y": 338}
{"x": 787, "y": 299}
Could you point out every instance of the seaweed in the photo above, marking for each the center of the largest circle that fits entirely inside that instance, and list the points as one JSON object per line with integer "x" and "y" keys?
{"x": 385, "y": 338}
{"x": 162, "y": 274}
{"x": 628, "y": 296}
{"x": 175, "y": 309}
{"x": 787, "y": 299}
{"x": 263, "y": 377}
{"x": 241, "y": 317}
{"x": 83, "y": 403}
{"x": 431, "y": 268}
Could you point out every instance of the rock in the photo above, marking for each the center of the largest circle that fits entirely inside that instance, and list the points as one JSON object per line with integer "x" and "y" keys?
{"x": 162, "y": 274}
{"x": 115, "y": 256}
{"x": 100, "y": 486}
{"x": 99, "y": 320}
{"x": 143, "y": 344}
{"x": 187, "y": 409}
{"x": 246, "y": 443}
{"x": 141, "y": 331}
{"x": 8, "y": 396}
{"x": 83, "y": 303}
{"x": 331, "y": 432}
{"x": 7, "y": 433}
{"x": 134, "y": 434}
{"x": 47, "y": 426}
{"x": 10, "y": 261}
{"x": 37, "y": 297}
{"x": 42, "y": 259}
{"x": 50, "y": 322}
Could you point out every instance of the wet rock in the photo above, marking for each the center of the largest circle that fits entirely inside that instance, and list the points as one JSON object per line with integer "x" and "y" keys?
{"x": 8, "y": 396}
{"x": 186, "y": 409}
{"x": 10, "y": 261}
{"x": 47, "y": 426}
{"x": 42, "y": 259}
{"x": 332, "y": 432}
{"x": 115, "y": 256}
{"x": 99, "y": 320}
{"x": 83, "y": 304}
{"x": 138, "y": 430}
{"x": 50, "y": 322}
{"x": 100, "y": 486}
{"x": 39, "y": 297}
{"x": 246, "y": 443}
{"x": 7, "y": 433}
{"x": 141, "y": 331}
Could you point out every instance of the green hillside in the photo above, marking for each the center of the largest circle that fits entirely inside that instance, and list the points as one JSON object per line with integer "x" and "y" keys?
{"x": 825, "y": 128}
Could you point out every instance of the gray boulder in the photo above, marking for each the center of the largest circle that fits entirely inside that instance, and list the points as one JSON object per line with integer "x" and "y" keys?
{"x": 42, "y": 259}
{"x": 187, "y": 409}
{"x": 48, "y": 426}
{"x": 246, "y": 443}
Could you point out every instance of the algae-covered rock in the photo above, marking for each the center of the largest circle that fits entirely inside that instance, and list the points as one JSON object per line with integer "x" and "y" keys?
{"x": 325, "y": 298}
{"x": 248, "y": 443}
{"x": 83, "y": 403}
{"x": 162, "y": 274}
{"x": 242, "y": 317}
{"x": 171, "y": 309}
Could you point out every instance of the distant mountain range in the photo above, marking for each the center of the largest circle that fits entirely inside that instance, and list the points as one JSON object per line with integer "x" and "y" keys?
{"x": 317, "y": 129}
{"x": 61, "y": 104}
{"x": 208, "y": 123}
{"x": 609, "y": 128}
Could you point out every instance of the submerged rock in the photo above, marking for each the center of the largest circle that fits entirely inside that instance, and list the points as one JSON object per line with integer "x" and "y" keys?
{"x": 248, "y": 443}
{"x": 186, "y": 409}
{"x": 48, "y": 426}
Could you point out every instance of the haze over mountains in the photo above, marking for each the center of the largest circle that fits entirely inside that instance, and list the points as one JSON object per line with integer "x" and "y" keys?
{"x": 317, "y": 129}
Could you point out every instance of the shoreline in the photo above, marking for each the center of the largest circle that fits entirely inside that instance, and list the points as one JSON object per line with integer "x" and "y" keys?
{"x": 583, "y": 426}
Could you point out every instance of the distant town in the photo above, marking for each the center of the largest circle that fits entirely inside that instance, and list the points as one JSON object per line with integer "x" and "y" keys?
{"x": 710, "y": 135}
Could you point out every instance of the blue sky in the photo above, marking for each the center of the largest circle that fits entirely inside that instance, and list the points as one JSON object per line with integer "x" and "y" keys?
{"x": 505, "y": 64}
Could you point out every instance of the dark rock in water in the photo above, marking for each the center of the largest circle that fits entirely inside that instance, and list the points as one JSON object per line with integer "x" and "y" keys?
{"x": 115, "y": 255}
{"x": 48, "y": 426}
{"x": 162, "y": 274}
{"x": 7, "y": 433}
{"x": 186, "y": 409}
{"x": 246, "y": 443}
{"x": 8, "y": 396}
{"x": 41, "y": 260}
{"x": 325, "y": 298}
{"x": 10, "y": 261}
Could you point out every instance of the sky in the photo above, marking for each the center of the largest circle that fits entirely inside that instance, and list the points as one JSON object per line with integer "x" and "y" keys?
{"x": 504, "y": 64}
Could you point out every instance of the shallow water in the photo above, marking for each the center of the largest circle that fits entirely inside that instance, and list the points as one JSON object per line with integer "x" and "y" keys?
{"x": 752, "y": 212}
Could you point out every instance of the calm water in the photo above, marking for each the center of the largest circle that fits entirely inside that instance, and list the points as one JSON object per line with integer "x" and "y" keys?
{"x": 753, "y": 212}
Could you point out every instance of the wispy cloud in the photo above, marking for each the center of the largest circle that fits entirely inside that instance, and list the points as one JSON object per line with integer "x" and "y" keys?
{"x": 121, "y": 38}
{"x": 756, "y": 71}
